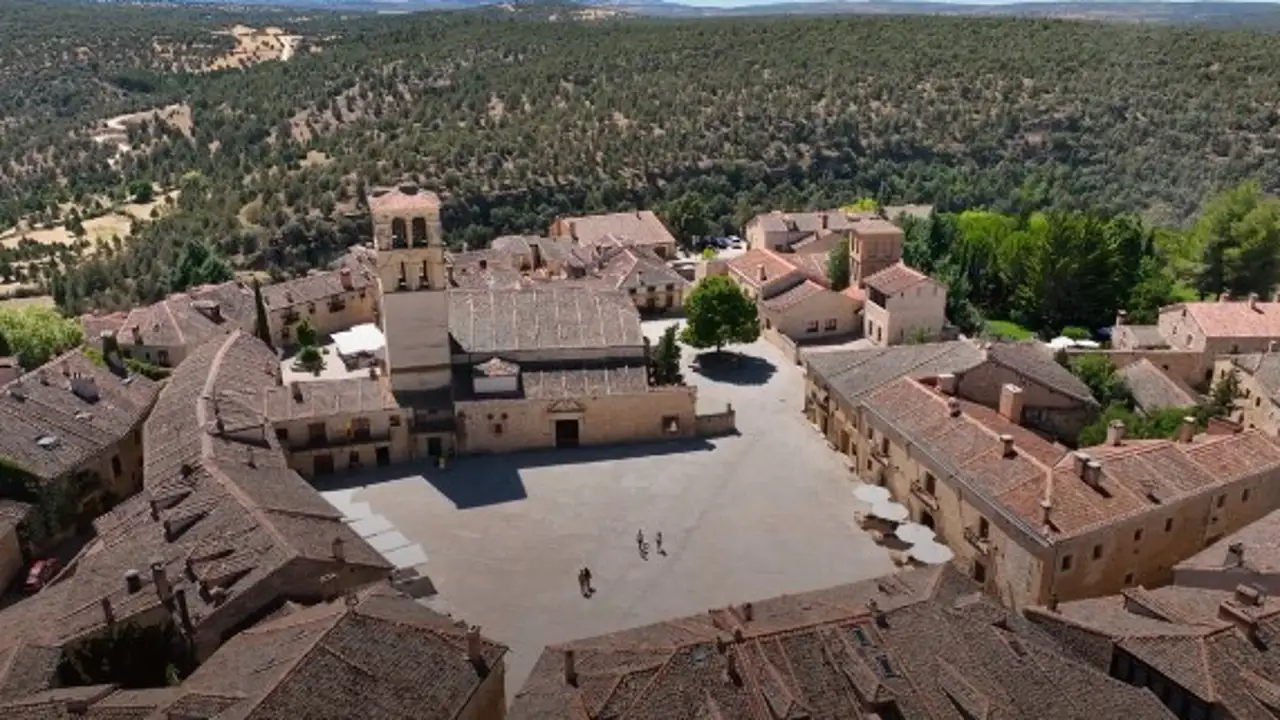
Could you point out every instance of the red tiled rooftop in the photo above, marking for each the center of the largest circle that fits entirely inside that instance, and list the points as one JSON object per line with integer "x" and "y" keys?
{"x": 895, "y": 278}
{"x": 397, "y": 200}
{"x": 1234, "y": 319}
{"x": 747, "y": 266}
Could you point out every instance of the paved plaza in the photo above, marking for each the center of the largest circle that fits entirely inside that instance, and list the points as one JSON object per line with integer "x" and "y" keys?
{"x": 767, "y": 512}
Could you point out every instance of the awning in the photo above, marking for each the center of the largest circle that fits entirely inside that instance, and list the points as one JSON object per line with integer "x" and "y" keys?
{"x": 366, "y": 338}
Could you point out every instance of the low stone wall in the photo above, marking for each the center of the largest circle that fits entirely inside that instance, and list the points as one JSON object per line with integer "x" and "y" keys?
{"x": 717, "y": 424}
{"x": 783, "y": 343}
{"x": 1188, "y": 366}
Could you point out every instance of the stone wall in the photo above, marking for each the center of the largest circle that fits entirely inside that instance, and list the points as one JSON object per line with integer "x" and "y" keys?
{"x": 717, "y": 424}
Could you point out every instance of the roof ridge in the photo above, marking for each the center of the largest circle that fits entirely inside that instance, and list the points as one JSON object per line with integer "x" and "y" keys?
{"x": 182, "y": 337}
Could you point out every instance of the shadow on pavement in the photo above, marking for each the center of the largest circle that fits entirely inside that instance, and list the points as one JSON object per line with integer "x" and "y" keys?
{"x": 481, "y": 480}
{"x": 734, "y": 368}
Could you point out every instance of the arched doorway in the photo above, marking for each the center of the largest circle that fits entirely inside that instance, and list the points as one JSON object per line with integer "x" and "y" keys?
{"x": 399, "y": 232}
{"x": 926, "y": 519}
{"x": 419, "y": 231}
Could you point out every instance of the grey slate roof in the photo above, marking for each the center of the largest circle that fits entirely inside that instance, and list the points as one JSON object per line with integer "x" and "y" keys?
{"x": 1154, "y": 389}
{"x": 542, "y": 318}
{"x": 179, "y": 321}
{"x": 1035, "y": 361}
{"x": 76, "y": 427}
{"x": 853, "y": 373}
{"x": 1260, "y": 545}
{"x": 931, "y": 648}
{"x": 1265, "y": 369}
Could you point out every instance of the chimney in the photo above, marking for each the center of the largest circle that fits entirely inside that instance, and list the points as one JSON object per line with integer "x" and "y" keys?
{"x": 570, "y": 672}
{"x": 295, "y": 387}
{"x": 132, "y": 581}
{"x": 1121, "y": 317}
{"x": 748, "y": 611}
{"x": 163, "y": 590}
{"x": 947, "y": 383}
{"x": 155, "y": 509}
{"x": 1053, "y": 602}
{"x": 1078, "y": 460}
{"x": 473, "y": 645}
{"x": 345, "y": 275}
{"x": 1046, "y": 512}
{"x": 1249, "y": 595}
{"x": 953, "y": 407}
{"x": 877, "y": 614}
{"x": 338, "y": 553}
{"x": 1007, "y": 442}
{"x": 449, "y": 272}
{"x": 1243, "y": 619}
{"x": 824, "y": 221}
{"x": 573, "y": 230}
{"x": 373, "y": 372}
{"x": 1187, "y": 430}
{"x": 1093, "y": 473}
{"x": 1115, "y": 432}
{"x": 760, "y": 273}
{"x": 1011, "y": 403}
{"x": 1235, "y": 555}
{"x": 731, "y": 667}
{"x": 484, "y": 264}
{"x": 1224, "y": 297}
{"x": 108, "y": 614}
{"x": 1253, "y": 301}
{"x": 137, "y": 334}
{"x": 184, "y": 615}
{"x": 1271, "y": 346}
{"x": 168, "y": 530}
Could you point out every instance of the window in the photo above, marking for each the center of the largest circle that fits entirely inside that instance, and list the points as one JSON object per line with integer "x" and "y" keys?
{"x": 497, "y": 428}
{"x": 1097, "y": 552}
{"x": 671, "y": 287}
{"x": 282, "y": 434}
{"x": 979, "y": 572}
{"x": 316, "y": 433}
{"x": 631, "y": 291}
{"x": 1222, "y": 500}
{"x": 163, "y": 357}
{"x": 812, "y": 326}
{"x": 1244, "y": 495}
{"x": 1137, "y": 535}
{"x": 671, "y": 424}
{"x": 984, "y": 528}
{"x": 1066, "y": 563}
{"x": 1168, "y": 525}
{"x": 931, "y": 484}
{"x": 830, "y": 324}
{"x": 650, "y": 289}
{"x": 394, "y": 421}
{"x": 115, "y": 466}
{"x": 1257, "y": 402}
{"x": 1128, "y": 579}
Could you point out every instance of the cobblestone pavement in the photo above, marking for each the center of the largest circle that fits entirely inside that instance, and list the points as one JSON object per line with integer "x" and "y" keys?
{"x": 767, "y": 512}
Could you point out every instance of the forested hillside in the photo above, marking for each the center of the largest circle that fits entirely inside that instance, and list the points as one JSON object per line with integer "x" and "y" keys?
{"x": 516, "y": 118}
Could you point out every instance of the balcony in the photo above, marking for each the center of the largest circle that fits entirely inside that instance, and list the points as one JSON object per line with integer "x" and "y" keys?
{"x": 981, "y": 543}
{"x": 357, "y": 437}
{"x": 923, "y": 495}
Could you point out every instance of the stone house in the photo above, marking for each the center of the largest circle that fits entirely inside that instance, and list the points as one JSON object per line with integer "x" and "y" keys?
{"x": 164, "y": 332}
{"x": 652, "y": 285}
{"x": 556, "y": 366}
{"x": 331, "y": 301}
{"x": 1250, "y": 556}
{"x": 1154, "y": 389}
{"x": 919, "y": 644}
{"x": 335, "y": 425}
{"x": 1258, "y": 405}
{"x": 639, "y": 228}
{"x": 1054, "y": 400}
{"x": 902, "y": 305}
{"x": 13, "y": 554}
{"x": 792, "y": 294}
{"x": 1206, "y": 654}
{"x": 72, "y": 440}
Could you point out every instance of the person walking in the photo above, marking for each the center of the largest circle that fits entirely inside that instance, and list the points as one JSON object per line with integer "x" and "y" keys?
{"x": 640, "y": 540}
{"x": 582, "y": 581}
{"x": 586, "y": 579}
{"x": 657, "y": 543}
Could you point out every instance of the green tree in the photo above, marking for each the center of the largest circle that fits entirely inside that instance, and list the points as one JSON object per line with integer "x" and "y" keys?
{"x": 311, "y": 359}
{"x": 1223, "y": 395}
{"x": 717, "y": 313}
{"x": 142, "y": 191}
{"x": 862, "y": 205}
{"x": 307, "y": 336}
{"x": 1239, "y": 232}
{"x": 665, "y": 360}
{"x": 686, "y": 217}
{"x": 838, "y": 266}
{"x": 1163, "y": 423}
{"x": 5, "y": 349}
{"x": 1097, "y": 372}
{"x": 37, "y": 334}
{"x": 198, "y": 264}
{"x": 260, "y": 326}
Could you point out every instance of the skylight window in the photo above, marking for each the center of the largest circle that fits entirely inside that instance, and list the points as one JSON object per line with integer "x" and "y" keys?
{"x": 48, "y": 442}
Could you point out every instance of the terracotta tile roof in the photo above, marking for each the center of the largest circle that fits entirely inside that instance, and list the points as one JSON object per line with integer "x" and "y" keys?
{"x": 64, "y": 414}
{"x": 1139, "y": 336}
{"x": 793, "y": 296}
{"x": 189, "y": 319}
{"x": 933, "y": 647}
{"x": 1259, "y": 554}
{"x": 896, "y": 278}
{"x": 631, "y": 228}
{"x": 325, "y": 398}
{"x": 222, "y": 516}
{"x": 1034, "y": 361}
{"x": 402, "y": 199}
{"x": 873, "y": 225}
{"x": 1232, "y": 319}
{"x": 1154, "y": 389}
{"x": 850, "y": 374}
{"x": 585, "y": 381}
{"x": 1189, "y": 635}
{"x": 747, "y": 266}
{"x": 554, "y": 317}
{"x": 317, "y": 287}
{"x": 814, "y": 267}
{"x": 638, "y": 268}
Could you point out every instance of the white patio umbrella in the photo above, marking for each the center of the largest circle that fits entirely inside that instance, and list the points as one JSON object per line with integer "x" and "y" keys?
{"x": 871, "y": 494}
{"x": 1061, "y": 342}
{"x": 891, "y": 511}
{"x": 931, "y": 553}
{"x": 914, "y": 533}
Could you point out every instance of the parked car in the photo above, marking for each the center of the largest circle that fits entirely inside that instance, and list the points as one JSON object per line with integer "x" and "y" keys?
{"x": 40, "y": 573}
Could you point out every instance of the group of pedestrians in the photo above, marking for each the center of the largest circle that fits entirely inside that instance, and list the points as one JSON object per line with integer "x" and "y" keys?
{"x": 584, "y": 574}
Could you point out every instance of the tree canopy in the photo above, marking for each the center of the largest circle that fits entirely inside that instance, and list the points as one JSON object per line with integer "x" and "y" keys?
{"x": 37, "y": 334}
{"x": 717, "y": 313}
